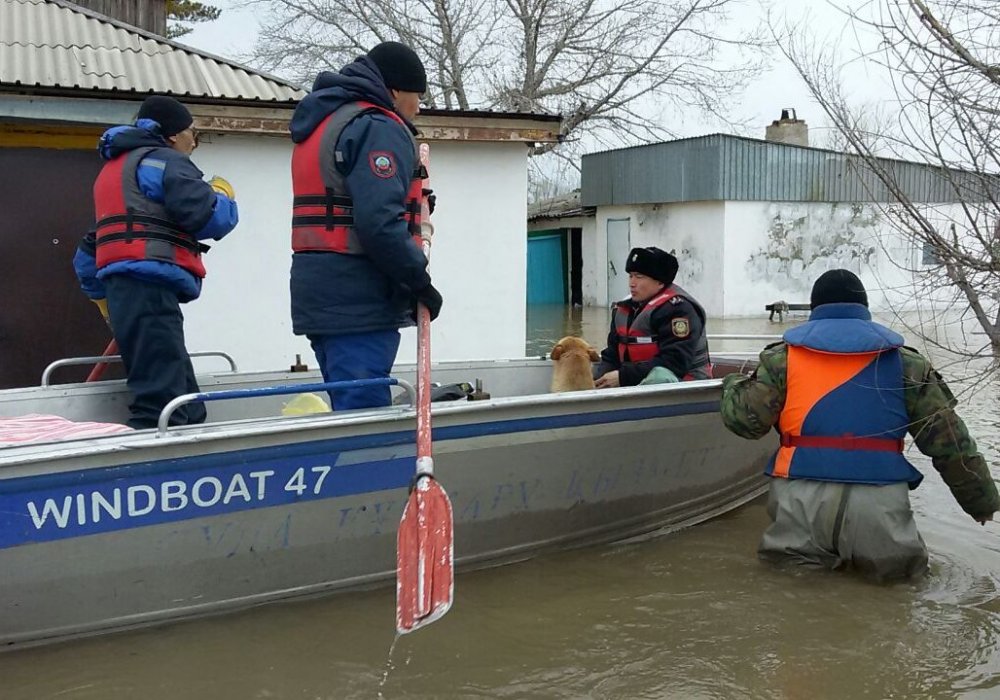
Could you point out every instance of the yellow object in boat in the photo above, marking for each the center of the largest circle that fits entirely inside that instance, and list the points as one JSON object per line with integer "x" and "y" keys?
{"x": 304, "y": 405}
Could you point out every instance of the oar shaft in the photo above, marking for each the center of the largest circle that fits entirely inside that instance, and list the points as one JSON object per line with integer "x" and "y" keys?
{"x": 98, "y": 371}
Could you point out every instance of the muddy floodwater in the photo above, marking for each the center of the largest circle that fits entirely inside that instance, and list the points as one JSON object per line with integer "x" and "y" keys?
{"x": 692, "y": 615}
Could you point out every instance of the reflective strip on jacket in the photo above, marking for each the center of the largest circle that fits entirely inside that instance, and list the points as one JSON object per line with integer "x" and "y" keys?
{"x": 130, "y": 226}
{"x": 322, "y": 211}
{"x": 844, "y": 417}
{"x": 636, "y": 342}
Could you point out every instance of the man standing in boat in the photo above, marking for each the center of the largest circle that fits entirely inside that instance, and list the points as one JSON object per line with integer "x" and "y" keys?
{"x": 153, "y": 209}
{"x": 357, "y": 266}
{"x": 658, "y": 333}
{"x": 842, "y": 392}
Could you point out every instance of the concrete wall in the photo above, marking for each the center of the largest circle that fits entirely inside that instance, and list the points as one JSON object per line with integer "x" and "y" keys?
{"x": 478, "y": 260}
{"x": 692, "y": 230}
{"x": 776, "y": 250}
{"x": 737, "y": 257}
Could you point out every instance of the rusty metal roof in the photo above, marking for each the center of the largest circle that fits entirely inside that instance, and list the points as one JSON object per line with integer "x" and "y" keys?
{"x": 57, "y": 45}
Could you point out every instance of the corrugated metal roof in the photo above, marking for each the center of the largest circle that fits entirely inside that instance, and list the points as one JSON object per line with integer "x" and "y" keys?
{"x": 49, "y": 44}
{"x": 734, "y": 168}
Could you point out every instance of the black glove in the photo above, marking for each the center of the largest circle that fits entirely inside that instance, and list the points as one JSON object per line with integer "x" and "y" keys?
{"x": 429, "y": 297}
{"x": 431, "y": 199}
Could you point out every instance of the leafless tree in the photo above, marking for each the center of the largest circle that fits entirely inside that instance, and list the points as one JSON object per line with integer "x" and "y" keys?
{"x": 617, "y": 70}
{"x": 941, "y": 61}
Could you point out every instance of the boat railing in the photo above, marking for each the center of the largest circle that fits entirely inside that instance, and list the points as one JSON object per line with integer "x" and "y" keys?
{"x": 164, "y": 421}
{"x": 759, "y": 342}
{"x": 72, "y": 361}
{"x": 739, "y": 336}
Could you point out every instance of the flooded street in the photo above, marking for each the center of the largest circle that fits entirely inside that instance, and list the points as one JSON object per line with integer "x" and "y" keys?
{"x": 688, "y": 616}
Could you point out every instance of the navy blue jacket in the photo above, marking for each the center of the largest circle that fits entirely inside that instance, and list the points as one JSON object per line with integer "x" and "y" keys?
{"x": 334, "y": 293}
{"x": 169, "y": 177}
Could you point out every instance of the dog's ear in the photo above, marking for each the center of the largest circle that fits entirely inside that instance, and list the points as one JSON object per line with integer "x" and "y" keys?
{"x": 594, "y": 355}
{"x": 556, "y": 353}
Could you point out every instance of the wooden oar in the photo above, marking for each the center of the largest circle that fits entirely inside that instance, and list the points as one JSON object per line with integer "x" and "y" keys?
{"x": 425, "y": 555}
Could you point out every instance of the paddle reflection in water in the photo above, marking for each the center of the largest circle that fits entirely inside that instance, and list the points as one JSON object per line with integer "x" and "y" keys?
{"x": 692, "y": 615}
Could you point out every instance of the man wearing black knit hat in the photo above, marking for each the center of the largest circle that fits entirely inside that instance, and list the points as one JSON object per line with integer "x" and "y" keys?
{"x": 357, "y": 266}
{"x": 658, "y": 333}
{"x": 842, "y": 392}
{"x": 144, "y": 257}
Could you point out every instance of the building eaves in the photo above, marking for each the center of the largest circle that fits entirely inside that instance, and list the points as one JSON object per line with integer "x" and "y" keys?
{"x": 561, "y": 207}
{"x": 55, "y": 45}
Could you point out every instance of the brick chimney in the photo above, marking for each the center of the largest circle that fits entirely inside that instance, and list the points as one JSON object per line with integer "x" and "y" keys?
{"x": 150, "y": 15}
{"x": 788, "y": 129}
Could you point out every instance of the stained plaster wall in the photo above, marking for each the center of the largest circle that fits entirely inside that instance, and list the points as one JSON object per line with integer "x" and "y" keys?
{"x": 737, "y": 257}
{"x": 692, "y": 230}
{"x": 776, "y": 250}
{"x": 478, "y": 255}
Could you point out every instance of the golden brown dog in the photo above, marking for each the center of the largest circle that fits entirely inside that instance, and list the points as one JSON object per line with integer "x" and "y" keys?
{"x": 572, "y": 372}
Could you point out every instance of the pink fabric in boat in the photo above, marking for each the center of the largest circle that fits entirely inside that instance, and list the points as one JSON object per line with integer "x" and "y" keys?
{"x": 36, "y": 427}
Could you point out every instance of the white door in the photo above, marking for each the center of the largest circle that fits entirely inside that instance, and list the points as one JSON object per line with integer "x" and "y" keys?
{"x": 618, "y": 249}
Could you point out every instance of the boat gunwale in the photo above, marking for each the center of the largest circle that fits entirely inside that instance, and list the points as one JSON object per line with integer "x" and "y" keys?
{"x": 34, "y": 453}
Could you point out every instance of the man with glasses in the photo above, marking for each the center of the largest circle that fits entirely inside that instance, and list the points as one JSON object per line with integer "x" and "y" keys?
{"x": 357, "y": 267}
{"x": 153, "y": 210}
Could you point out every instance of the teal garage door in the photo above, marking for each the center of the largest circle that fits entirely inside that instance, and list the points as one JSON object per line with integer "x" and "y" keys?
{"x": 546, "y": 275}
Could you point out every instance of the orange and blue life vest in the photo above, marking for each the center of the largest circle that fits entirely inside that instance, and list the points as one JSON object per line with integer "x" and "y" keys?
{"x": 636, "y": 342}
{"x": 844, "y": 417}
{"x": 322, "y": 211}
{"x": 130, "y": 226}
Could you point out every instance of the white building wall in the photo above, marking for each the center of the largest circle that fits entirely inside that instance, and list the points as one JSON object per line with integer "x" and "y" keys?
{"x": 692, "y": 230}
{"x": 737, "y": 257}
{"x": 776, "y": 250}
{"x": 478, "y": 256}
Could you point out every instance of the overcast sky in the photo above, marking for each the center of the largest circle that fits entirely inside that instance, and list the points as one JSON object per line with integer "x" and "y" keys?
{"x": 235, "y": 32}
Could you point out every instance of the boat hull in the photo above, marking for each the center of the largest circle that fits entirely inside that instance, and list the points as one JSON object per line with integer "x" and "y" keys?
{"x": 118, "y": 532}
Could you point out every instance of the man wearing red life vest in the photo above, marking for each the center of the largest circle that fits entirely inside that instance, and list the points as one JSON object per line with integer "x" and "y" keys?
{"x": 357, "y": 267}
{"x": 842, "y": 392}
{"x": 660, "y": 328}
{"x": 153, "y": 210}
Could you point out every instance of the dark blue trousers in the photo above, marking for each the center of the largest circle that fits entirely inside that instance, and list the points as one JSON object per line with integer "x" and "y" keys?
{"x": 357, "y": 356}
{"x": 149, "y": 327}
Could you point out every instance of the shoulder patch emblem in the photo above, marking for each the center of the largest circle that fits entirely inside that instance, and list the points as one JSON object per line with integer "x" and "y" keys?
{"x": 382, "y": 164}
{"x": 676, "y": 300}
{"x": 680, "y": 327}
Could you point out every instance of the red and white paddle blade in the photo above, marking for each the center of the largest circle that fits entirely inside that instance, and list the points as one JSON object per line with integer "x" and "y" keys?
{"x": 425, "y": 557}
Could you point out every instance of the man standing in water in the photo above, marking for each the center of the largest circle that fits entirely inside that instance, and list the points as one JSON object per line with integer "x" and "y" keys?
{"x": 842, "y": 391}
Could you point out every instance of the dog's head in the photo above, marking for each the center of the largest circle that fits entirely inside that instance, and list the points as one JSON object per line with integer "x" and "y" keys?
{"x": 572, "y": 344}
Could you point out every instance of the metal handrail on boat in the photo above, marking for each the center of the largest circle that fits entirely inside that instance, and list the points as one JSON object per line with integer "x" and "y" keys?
{"x": 168, "y": 410}
{"x": 71, "y": 361}
{"x": 738, "y": 336}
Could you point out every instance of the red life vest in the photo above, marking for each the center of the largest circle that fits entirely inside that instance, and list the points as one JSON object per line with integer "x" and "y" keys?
{"x": 636, "y": 342}
{"x": 322, "y": 211}
{"x": 130, "y": 226}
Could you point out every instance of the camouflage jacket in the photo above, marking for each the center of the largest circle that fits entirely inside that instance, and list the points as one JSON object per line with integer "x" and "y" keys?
{"x": 751, "y": 407}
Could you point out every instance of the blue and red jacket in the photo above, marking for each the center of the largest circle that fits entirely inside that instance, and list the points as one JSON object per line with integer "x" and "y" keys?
{"x": 844, "y": 416}
{"x": 361, "y": 274}
{"x": 158, "y": 183}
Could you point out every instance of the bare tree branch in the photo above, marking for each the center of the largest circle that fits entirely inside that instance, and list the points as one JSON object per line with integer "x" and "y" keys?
{"x": 942, "y": 62}
{"x": 611, "y": 68}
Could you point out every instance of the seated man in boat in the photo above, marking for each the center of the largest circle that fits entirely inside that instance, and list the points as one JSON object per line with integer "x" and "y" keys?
{"x": 153, "y": 210}
{"x": 358, "y": 270}
{"x": 658, "y": 333}
{"x": 842, "y": 391}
